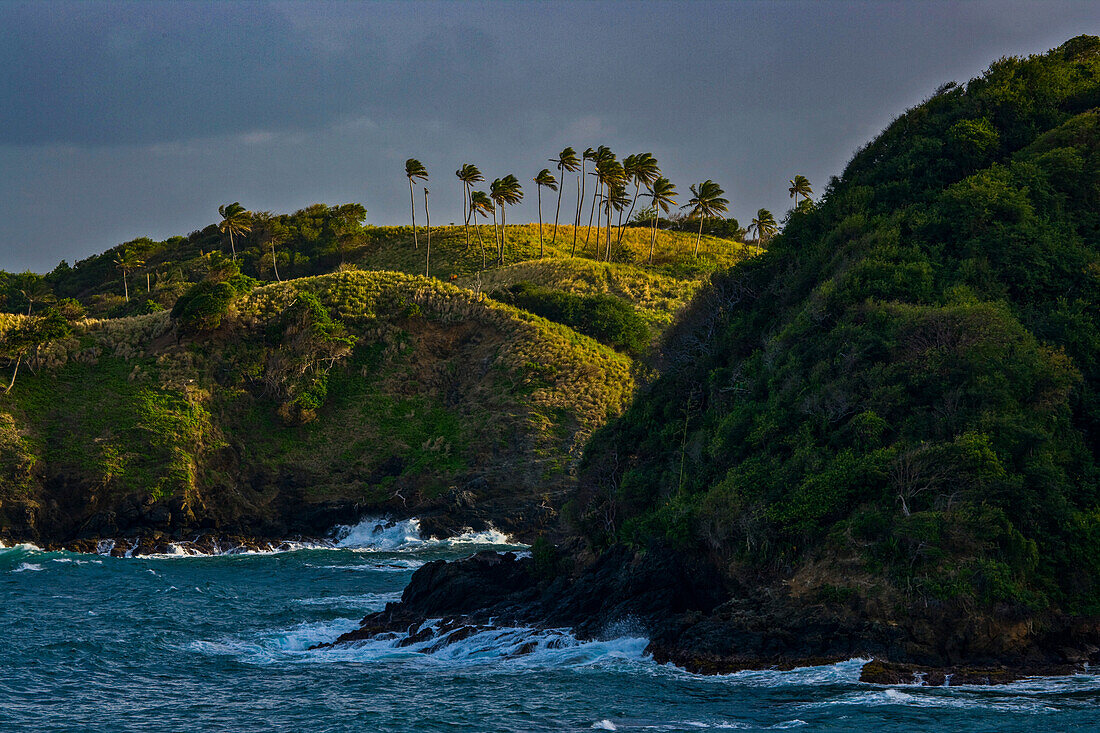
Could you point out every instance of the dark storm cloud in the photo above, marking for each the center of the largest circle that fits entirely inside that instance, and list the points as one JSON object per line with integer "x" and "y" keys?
{"x": 140, "y": 118}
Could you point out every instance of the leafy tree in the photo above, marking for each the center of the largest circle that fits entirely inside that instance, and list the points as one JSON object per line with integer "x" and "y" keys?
{"x": 663, "y": 194}
{"x": 566, "y": 161}
{"x": 236, "y": 220}
{"x": 414, "y": 169}
{"x": 206, "y": 303}
{"x": 545, "y": 178}
{"x": 127, "y": 261}
{"x": 28, "y": 336}
{"x": 706, "y": 202}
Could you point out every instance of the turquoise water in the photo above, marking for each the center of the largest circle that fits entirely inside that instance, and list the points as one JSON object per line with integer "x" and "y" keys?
{"x": 189, "y": 643}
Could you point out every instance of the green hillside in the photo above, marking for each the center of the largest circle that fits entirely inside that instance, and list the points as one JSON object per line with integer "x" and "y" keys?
{"x": 895, "y": 409}
{"x": 355, "y": 389}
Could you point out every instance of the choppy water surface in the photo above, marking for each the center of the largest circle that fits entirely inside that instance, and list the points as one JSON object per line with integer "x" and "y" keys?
{"x": 196, "y": 643}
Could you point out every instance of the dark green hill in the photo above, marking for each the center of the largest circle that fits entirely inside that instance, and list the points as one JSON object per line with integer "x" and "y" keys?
{"x": 895, "y": 410}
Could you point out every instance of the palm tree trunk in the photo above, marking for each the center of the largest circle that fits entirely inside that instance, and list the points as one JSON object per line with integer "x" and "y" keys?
{"x": 465, "y": 215}
{"x": 496, "y": 235}
{"x": 653, "y": 239}
{"x": 557, "y": 210}
{"x": 481, "y": 242}
{"x": 637, "y": 188}
{"x": 275, "y": 264}
{"x": 232, "y": 246}
{"x": 608, "y": 245}
{"x": 18, "y": 360}
{"x": 503, "y": 231}
{"x": 125, "y": 286}
{"x": 580, "y": 206}
{"x": 541, "y": 253}
{"x": 698, "y": 237}
{"x": 412, "y": 205}
{"x": 590, "y": 213}
{"x": 428, "y": 249}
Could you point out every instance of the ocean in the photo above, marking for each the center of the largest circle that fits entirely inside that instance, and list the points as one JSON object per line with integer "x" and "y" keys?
{"x": 187, "y": 642}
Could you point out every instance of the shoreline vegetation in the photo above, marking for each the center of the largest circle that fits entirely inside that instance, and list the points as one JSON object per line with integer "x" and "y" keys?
{"x": 878, "y": 436}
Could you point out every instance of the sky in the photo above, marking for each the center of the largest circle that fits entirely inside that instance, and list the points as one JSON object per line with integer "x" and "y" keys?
{"x": 127, "y": 119}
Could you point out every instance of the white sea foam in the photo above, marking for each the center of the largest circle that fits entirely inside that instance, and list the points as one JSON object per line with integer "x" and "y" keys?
{"x": 25, "y": 566}
{"x": 379, "y": 535}
{"x": 363, "y": 601}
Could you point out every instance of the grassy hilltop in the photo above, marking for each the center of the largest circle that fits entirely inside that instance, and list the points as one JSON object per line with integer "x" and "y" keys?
{"x": 215, "y": 400}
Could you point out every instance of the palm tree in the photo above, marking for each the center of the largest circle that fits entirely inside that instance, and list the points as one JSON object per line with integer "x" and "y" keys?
{"x": 609, "y": 176}
{"x": 469, "y": 175}
{"x": 800, "y": 186}
{"x": 428, "y": 224}
{"x": 35, "y": 289}
{"x": 706, "y": 203}
{"x": 589, "y": 154}
{"x": 566, "y": 161}
{"x": 266, "y": 226}
{"x": 481, "y": 204}
{"x": 235, "y": 220}
{"x": 764, "y": 225}
{"x": 414, "y": 169}
{"x": 510, "y": 193}
{"x": 642, "y": 169}
{"x": 616, "y": 199}
{"x": 545, "y": 178}
{"x": 496, "y": 195}
{"x": 601, "y": 154}
{"x": 663, "y": 193}
{"x": 127, "y": 261}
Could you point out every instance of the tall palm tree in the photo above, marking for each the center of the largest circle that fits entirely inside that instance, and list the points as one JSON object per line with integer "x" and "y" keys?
{"x": 35, "y": 289}
{"x": 643, "y": 170}
{"x": 800, "y": 186}
{"x": 235, "y": 220}
{"x": 483, "y": 205}
{"x": 496, "y": 194}
{"x": 616, "y": 200}
{"x": 126, "y": 261}
{"x": 565, "y": 162}
{"x": 764, "y": 225}
{"x": 545, "y": 178}
{"x": 663, "y": 193}
{"x": 609, "y": 175}
{"x": 510, "y": 193}
{"x": 267, "y": 227}
{"x": 589, "y": 154}
{"x": 601, "y": 154}
{"x": 414, "y": 169}
{"x": 428, "y": 225}
{"x": 706, "y": 203}
{"x": 469, "y": 175}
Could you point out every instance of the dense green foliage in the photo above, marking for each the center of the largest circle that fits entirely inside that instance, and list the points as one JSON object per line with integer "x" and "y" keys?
{"x": 606, "y": 318}
{"x": 205, "y": 303}
{"x": 902, "y": 397}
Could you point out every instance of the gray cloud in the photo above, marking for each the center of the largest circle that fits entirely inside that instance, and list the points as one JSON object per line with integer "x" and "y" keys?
{"x": 120, "y": 120}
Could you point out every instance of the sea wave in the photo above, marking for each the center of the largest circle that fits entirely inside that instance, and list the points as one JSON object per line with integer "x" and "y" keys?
{"x": 381, "y": 535}
{"x": 506, "y": 648}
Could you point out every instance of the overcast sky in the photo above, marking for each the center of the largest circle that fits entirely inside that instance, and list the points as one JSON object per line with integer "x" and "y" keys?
{"x": 120, "y": 120}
